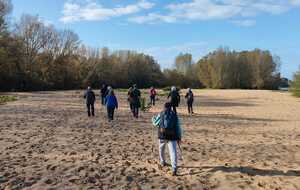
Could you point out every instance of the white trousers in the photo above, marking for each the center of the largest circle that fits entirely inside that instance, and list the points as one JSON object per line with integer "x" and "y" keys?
{"x": 172, "y": 151}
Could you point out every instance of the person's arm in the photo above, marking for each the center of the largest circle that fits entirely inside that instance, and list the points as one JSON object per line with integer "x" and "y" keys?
{"x": 156, "y": 120}
{"x": 84, "y": 95}
{"x": 94, "y": 96}
{"x": 105, "y": 100}
{"x": 117, "y": 106}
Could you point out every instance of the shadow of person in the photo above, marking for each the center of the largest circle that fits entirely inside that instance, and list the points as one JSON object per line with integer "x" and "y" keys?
{"x": 245, "y": 170}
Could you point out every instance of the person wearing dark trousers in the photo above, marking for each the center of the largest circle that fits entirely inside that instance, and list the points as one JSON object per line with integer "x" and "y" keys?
{"x": 190, "y": 100}
{"x": 129, "y": 99}
{"x": 103, "y": 93}
{"x": 175, "y": 98}
{"x": 111, "y": 104}
{"x": 135, "y": 96}
{"x": 152, "y": 96}
{"x": 89, "y": 95}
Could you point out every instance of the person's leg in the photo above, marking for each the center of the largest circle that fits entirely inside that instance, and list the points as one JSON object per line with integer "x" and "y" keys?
{"x": 173, "y": 155}
{"x": 192, "y": 110}
{"x": 112, "y": 113}
{"x": 108, "y": 113}
{"x": 189, "y": 108}
{"x": 154, "y": 101}
{"x": 88, "y": 110}
{"x": 134, "y": 111}
{"x": 137, "y": 112}
{"x": 103, "y": 100}
{"x": 162, "y": 145}
{"x": 93, "y": 109}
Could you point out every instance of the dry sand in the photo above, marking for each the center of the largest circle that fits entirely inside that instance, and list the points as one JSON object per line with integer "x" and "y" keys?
{"x": 236, "y": 140}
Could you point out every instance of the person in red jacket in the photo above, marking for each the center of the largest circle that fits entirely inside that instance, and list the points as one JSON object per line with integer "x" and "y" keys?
{"x": 152, "y": 96}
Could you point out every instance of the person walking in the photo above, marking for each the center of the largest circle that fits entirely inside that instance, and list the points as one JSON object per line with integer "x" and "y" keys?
{"x": 169, "y": 134}
{"x": 89, "y": 95}
{"x": 129, "y": 99}
{"x": 152, "y": 96}
{"x": 103, "y": 93}
{"x": 135, "y": 96}
{"x": 190, "y": 100}
{"x": 111, "y": 104}
{"x": 175, "y": 98}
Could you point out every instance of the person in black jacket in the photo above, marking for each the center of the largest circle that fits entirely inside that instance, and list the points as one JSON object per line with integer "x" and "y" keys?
{"x": 190, "y": 100}
{"x": 89, "y": 95}
{"x": 103, "y": 93}
{"x": 175, "y": 98}
{"x": 135, "y": 96}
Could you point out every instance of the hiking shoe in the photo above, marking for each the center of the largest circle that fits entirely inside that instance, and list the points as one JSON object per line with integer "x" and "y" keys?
{"x": 174, "y": 173}
{"x": 161, "y": 165}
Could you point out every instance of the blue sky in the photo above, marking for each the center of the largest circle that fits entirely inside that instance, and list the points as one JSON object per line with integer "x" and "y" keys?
{"x": 166, "y": 28}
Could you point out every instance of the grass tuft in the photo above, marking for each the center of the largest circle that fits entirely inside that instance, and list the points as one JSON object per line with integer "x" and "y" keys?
{"x": 5, "y": 99}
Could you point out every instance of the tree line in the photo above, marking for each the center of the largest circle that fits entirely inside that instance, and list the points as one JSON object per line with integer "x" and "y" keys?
{"x": 38, "y": 56}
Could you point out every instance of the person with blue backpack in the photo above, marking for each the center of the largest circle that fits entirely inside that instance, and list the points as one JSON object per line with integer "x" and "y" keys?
{"x": 169, "y": 134}
{"x": 111, "y": 104}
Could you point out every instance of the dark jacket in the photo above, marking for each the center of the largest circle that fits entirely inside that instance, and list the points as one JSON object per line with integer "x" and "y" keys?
{"x": 135, "y": 95}
{"x": 103, "y": 91}
{"x": 111, "y": 101}
{"x": 89, "y": 95}
{"x": 189, "y": 97}
{"x": 175, "y": 98}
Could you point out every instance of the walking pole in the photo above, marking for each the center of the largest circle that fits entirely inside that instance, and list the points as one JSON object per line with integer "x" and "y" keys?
{"x": 180, "y": 150}
{"x": 153, "y": 142}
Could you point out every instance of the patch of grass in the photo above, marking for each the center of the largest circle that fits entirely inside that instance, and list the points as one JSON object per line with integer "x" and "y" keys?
{"x": 295, "y": 92}
{"x": 4, "y": 99}
{"x": 122, "y": 90}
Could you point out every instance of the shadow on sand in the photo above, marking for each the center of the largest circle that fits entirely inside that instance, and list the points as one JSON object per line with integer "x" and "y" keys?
{"x": 206, "y": 101}
{"x": 245, "y": 170}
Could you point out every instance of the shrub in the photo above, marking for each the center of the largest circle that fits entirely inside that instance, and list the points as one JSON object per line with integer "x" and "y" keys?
{"x": 295, "y": 85}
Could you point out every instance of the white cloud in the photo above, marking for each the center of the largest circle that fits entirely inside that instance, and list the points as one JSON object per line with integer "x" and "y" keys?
{"x": 295, "y": 2}
{"x": 244, "y": 23}
{"x": 201, "y": 10}
{"x": 93, "y": 11}
{"x": 242, "y": 12}
{"x": 152, "y": 18}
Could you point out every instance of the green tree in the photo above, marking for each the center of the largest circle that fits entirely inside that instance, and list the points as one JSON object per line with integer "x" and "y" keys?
{"x": 295, "y": 84}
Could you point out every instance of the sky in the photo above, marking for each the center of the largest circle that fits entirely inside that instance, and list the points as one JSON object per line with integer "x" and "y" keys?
{"x": 165, "y": 28}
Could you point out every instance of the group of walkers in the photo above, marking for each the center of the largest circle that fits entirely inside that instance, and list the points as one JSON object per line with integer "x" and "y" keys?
{"x": 167, "y": 122}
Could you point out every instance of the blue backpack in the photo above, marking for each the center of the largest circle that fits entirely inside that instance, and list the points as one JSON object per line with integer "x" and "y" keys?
{"x": 168, "y": 123}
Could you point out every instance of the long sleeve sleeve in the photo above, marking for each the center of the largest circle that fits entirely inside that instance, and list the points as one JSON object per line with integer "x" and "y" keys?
{"x": 156, "y": 120}
{"x": 117, "y": 105}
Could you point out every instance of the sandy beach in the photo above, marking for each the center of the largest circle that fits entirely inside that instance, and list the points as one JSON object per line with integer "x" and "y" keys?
{"x": 236, "y": 140}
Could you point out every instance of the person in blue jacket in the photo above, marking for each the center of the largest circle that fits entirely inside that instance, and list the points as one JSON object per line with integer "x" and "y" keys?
{"x": 111, "y": 104}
